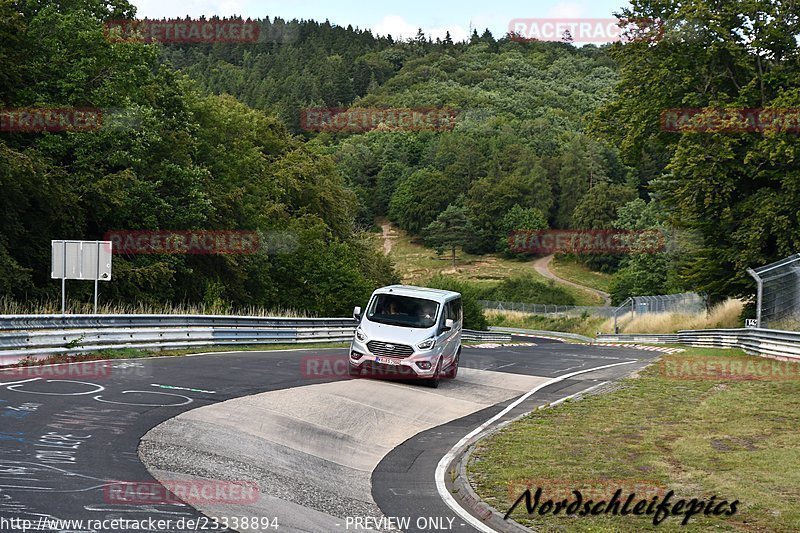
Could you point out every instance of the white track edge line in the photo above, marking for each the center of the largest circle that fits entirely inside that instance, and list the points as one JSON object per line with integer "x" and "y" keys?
{"x": 441, "y": 468}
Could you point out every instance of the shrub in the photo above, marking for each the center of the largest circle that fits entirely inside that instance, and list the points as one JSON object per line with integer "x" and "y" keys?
{"x": 470, "y": 294}
{"x": 530, "y": 289}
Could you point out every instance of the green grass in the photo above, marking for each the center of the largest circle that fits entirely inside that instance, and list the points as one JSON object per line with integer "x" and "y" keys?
{"x": 416, "y": 264}
{"x": 733, "y": 439}
{"x": 582, "y": 325}
{"x": 580, "y": 296}
{"x": 571, "y": 270}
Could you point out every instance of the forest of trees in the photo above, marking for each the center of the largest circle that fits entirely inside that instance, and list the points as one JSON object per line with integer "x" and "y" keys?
{"x": 548, "y": 135}
{"x": 189, "y": 160}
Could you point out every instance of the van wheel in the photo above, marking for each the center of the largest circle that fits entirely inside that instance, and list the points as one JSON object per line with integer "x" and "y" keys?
{"x": 453, "y": 371}
{"x": 354, "y": 371}
{"x": 437, "y": 376}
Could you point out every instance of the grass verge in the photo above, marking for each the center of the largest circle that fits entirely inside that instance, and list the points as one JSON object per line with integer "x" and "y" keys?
{"x": 736, "y": 439}
{"x": 583, "y": 324}
{"x": 571, "y": 270}
{"x": 417, "y": 264}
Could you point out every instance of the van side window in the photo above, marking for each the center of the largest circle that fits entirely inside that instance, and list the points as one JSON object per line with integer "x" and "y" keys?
{"x": 447, "y": 312}
{"x": 455, "y": 305}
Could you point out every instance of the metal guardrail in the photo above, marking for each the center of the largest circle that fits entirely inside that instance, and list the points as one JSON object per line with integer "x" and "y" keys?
{"x": 647, "y": 337}
{"x": 535, "y": 332}
{"x": 547, "y": 309}
{"x": 28, "y": 335}
{"x": 36, "y": 335}
{"x": 756, "y": 341}
{"x": 488, "y": 336}
{"x": 28, "y": 322}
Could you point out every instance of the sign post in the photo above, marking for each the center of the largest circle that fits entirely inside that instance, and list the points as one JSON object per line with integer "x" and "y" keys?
{"x": 86, "y": 260}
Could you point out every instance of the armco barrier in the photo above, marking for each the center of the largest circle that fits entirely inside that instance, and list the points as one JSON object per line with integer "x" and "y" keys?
{"x": 648, "y": 338}
{"x": 487, "y": 336}
{"x": 37, "y": 335}
{"x": 756, "y": 341}
{"x": 548, "y": 309}
{"x": 535, "y": 332}
{"x": 29, "y": 322}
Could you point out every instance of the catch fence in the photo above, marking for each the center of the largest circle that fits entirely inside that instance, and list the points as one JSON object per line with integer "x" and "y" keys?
{"x": 778, "y": 294}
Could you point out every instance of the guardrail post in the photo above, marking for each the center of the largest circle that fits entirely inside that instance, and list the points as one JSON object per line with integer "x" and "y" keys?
{"x": 759, "y": 294}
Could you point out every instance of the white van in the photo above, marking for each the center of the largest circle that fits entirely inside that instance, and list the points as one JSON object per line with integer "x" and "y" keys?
{"x": 408, "y": 332}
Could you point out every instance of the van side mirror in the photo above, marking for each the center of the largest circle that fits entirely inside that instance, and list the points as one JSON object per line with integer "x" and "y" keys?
{"x": 448, "y": 325}
{"x": 357, "y": 313}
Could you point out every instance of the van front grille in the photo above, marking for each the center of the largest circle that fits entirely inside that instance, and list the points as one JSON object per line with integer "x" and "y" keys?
{"x": 387, "y": 349}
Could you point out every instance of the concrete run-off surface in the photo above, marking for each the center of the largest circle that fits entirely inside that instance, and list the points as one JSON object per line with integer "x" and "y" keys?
{"x": 312, "y": 449}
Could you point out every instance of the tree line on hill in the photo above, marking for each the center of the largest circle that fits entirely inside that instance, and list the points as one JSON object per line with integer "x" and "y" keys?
{"x": 548, "y": 135}
{"x": 187, "y": 160}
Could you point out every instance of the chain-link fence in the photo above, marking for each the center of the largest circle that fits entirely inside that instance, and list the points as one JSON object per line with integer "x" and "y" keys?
{"x": 778, "y": 296}
{"x": 544, "y": 309}
{"x": 685, "y": 302}
{"x": 688, "y": 302}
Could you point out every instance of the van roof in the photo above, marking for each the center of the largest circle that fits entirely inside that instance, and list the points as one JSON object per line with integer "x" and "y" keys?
{"x": 419, "y": 292}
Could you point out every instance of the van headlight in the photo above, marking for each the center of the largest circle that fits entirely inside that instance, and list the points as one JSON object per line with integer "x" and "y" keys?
{"x": 427, "y": 344}
{"x": 360, "y": 335}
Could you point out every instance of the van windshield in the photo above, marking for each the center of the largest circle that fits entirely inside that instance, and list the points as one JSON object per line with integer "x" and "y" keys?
{"x": 405, "y": 311}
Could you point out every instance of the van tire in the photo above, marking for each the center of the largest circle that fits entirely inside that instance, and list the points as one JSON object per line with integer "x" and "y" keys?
{"x": 437, "y": 376}
{"x": 452, "y": 372}
{"x": 354, "y": 371}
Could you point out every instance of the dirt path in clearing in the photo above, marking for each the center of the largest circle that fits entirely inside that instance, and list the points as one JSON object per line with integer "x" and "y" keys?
{"x": 542, "y": 266}
{"x": 389, "y": 236}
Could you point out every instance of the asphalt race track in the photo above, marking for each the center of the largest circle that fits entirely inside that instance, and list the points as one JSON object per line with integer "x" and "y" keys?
{"x": 324, "y": 450}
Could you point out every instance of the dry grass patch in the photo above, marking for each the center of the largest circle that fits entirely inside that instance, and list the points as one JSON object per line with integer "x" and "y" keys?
{"x": 724, "y": 315}
{"x": 50, "y": 307}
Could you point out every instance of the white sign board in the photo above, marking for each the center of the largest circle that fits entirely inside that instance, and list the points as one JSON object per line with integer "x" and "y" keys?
{"x": 87, "y": 260}
{"x": 750, "y": 323}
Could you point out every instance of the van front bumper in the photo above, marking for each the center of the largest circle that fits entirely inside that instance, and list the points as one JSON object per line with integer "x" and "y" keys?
{"x": 371, "y": 365}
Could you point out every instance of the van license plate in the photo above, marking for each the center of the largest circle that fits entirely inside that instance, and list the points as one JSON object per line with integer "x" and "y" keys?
{"x": 386, "y": 361}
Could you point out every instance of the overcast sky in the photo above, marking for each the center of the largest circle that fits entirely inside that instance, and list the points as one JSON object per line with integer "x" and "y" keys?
{"x": 398, "y": 18}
